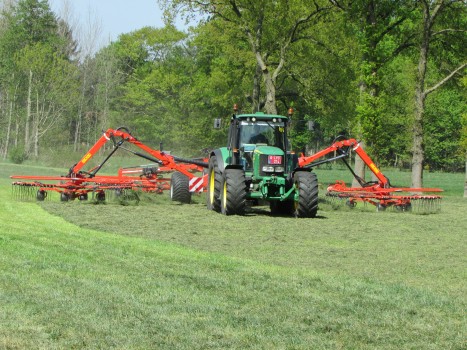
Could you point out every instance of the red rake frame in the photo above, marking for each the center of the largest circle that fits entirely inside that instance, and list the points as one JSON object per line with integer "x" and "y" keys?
{"x": 78, "y": 183}
{"x": 379, "y": 193}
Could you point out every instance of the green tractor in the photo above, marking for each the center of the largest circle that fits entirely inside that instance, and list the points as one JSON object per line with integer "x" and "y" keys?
{"x": 257, "y": 166}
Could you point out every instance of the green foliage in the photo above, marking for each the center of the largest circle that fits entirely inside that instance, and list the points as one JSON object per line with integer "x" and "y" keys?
{"x": 464, "y": 122}
{"x": 349, "y": 68}
{"x": 37, "y": 77}
{"x": 18, "y": 155}
{"x": 443, "y": 129}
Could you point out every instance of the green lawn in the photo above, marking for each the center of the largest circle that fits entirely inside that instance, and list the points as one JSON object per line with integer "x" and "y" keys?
{"x": 160, "y": 275}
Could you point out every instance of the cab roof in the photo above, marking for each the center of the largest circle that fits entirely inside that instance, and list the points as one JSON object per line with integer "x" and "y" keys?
{"x": 261, "y": 116}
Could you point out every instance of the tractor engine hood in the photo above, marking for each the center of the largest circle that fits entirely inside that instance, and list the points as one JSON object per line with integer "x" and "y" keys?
{"x": 268, "y": 161}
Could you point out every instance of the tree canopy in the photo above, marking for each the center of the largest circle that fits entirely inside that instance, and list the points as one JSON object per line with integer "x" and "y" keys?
{"x": 356, "y": 68}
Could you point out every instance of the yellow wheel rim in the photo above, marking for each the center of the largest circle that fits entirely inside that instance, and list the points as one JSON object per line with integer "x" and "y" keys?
{"x": 212, "y": 184}
{"x": 224, "y": 196}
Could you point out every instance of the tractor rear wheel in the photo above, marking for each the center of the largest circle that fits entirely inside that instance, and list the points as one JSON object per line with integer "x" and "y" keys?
{"x": 306, "y": 202}
{"x": 179, "y": 188}
{"x": 214, "y": 185}
{"x": 233, "y": 193}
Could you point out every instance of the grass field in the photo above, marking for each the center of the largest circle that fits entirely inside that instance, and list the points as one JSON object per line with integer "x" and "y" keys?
{"x": 160, "y": 275}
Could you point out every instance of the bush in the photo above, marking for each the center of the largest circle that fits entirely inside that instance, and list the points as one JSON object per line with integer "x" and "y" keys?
{"x": 17, "y": 155}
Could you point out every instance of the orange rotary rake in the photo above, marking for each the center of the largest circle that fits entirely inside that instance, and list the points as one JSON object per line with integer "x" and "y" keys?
{"x": 379, "y": 193}
{"x": 79, "y": 183}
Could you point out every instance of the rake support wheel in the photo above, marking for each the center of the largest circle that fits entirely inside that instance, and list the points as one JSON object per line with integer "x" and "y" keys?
{"x": 306, "y": 199}
{"x": 100, "y": 196}
{"x": 41, "y": 195}
{"x": 233, "y": 192}
{"x": 179, "y": 188}
{"x": 64, "y": 197}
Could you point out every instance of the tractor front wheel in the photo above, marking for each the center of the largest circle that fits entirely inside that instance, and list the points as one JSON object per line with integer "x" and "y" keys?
{"x": 233, "y": 192}
{"x": 306, "y": 196}
{"x": 179, "y": 188}
{"x": 214, "y": 185}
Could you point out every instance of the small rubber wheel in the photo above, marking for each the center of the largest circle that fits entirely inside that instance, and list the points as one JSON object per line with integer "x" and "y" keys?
{"x": 64, "y": 197}
{"x": 41, "y": 195}
{"x": 380, "y": 207}
{"x": 100, "y": 196}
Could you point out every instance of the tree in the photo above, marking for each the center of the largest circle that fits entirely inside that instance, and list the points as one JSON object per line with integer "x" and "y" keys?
{"x": 380, "y": 28}
{"x": 31, "y": 48}
{"x": 433, "y": 15}
{"x": 464, "y": 137}
{"x": 49, "y": 76}
{"x": 270, "y": 27}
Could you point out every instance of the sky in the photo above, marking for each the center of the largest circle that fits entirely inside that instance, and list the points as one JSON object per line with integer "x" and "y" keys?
{"x": 113, "y": 16}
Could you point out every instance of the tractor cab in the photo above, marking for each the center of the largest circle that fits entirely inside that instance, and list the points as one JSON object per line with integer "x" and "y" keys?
{"x": 258, "y": 143}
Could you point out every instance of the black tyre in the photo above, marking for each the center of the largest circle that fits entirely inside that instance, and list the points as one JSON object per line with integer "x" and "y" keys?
{"x": 41, "y": 195}
{"x": 306, "y": 187}
{"x": 214, "y": 186}
{"x": 180, "y": 188}
{"x": 83, "y": 197}
{"x": 233, "y": 192}
{"x": 100, "y": 196}
{"x": 380, "y": 207}
{"x": 64, "y": 197}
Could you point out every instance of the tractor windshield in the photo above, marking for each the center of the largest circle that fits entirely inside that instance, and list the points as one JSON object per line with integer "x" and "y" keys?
{"x": 262, "y": 133}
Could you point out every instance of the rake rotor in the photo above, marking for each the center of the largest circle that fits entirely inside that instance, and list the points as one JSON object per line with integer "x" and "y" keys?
{"x": 401, "y": 199}
{"x": 78, "y": 184}
{"x": 379, "y": 193}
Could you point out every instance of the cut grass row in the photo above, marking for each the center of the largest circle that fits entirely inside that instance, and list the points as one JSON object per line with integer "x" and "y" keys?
{"x": 161, "y": 275}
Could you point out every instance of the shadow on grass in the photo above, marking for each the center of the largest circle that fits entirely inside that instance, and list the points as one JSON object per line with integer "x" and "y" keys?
{"x": 264, "y": 211}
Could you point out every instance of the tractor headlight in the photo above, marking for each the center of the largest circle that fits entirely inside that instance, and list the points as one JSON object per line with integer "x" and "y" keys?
{"x": 279, "y": 169}
{"x": 273, "y": 169}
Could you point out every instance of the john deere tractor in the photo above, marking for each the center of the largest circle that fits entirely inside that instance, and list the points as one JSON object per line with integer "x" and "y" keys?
{"x": 257, "y": 166}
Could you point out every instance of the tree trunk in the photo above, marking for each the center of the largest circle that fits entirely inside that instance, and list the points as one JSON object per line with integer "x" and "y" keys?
{"x": 35, "y": 128}
{"x": 359, "y": 167}
{"x": 28, "y": 116}
{"x": 16, "y": 132}
{"x": 269, "y": 85}
{"x": 465, "y": 184}
{"x": 76, "y": 137}
{"x": 420, "y": 97}
{"x": 256, "y": 95}
{"x": 8, "y": 130}
{"x": 270, "y": 106}
{"x": 417, "y": 141}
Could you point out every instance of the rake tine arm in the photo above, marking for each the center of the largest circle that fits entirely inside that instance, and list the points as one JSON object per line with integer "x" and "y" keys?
{"x": 338, "y": 146}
